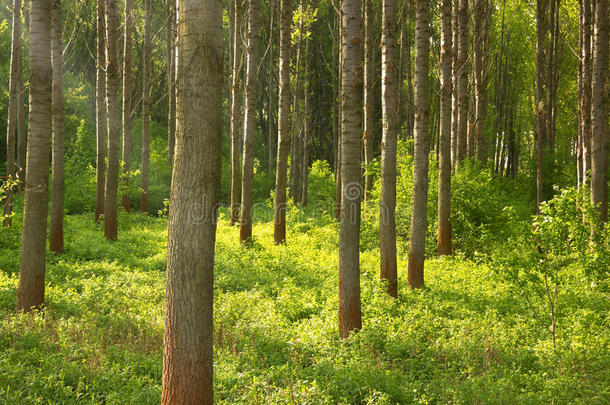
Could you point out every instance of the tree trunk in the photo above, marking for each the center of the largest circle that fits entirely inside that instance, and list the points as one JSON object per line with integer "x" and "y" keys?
{"x": 146, "y": 56}
{"x": 11, "y": 121}
{"x": 30, "y": 293}
{"x": 540, "y": 138}
{"x": 585, "y": 100}
{"x": 56, "y": 232}
{"x": 306, "y": 128}
{"x": 195, "y": 193}
{"x": 100, "y": 110}
{"x": 127, "y": 143}
{"x": 21, "y": 129}
{"x": 235, "y": 105}
{"x": 455, "y": 74}
{"x": 462, "y": 81}
{"x": 271, "y": 130}
{"x": 444, "y": 175}
{"x": 114, "y": 120}
{"x": 350, "y": 318}
{"x": 481, "y": 18}
{"x": 171, "y": 78}
{"x": 245, "y": 231}
{"x": 417, "y": 241}
{"x": 279, "y": 214}
{"x": 391, "y": 124}
{"x": 599, "y": 111}
{"x": 368, "y": 135}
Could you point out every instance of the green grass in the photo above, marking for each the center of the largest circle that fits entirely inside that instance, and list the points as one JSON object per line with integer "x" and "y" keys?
{"x": 468, "y": 337}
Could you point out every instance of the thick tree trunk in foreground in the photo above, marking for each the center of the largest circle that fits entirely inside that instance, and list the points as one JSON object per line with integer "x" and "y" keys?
{"x": 390, "y": 97}
{"x": 245, "y": 230}
{"x": 235, "y": 105}
{"x": 145, "y": 109}
{"x": 56, "y": 232}
{"x": 187, "y": 349}
{"x": 114, "y": 120}
{"x": 127, "y": 143}
{"x": 417, "y": 241}
{"x": 30, "y": 293}
{"x": 462, "y": 81}
{"x": 599, "y": 111}
{"x": 350, "y": 318}
{"x": 444, "y": 162}
{"x": 171, "y": 78}
{"x": 279, "y": 214}
{"x": 100, "y": 110}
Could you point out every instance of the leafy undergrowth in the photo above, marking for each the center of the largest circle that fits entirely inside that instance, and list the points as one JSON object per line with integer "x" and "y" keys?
{"x": 467, "y": 338}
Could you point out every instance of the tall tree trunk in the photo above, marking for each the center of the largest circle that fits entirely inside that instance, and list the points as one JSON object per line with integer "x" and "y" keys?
{"x": 187, "y": 349}
{"x": 339, "y": 74}
{"x": 145, "y": 109}
{"x": 350, "y": 318}
{"x": 271, "y": 130}
{"x": 306, "y": 128}
{"x": 391, "y": 125}
{"x": 369, "y": 53}
{"x": 481, "y": 18}
{"x": 114, "y": 120}
{"x": 599, "y": 111}
{"x": 462, "y": 81}
{"x": 127, "y": 142}
{"x": 540, "y": 141}
{"x": 417, "y": 241}
{"x": 11, "y": 121}
{"x": 279, "y": 214}
{"x": 245, "y": 231}
{"x": 585, "y": 100}
{"x": 171, "y": 78}
{"x": 30, "y": 293}
{"x": 235, "y": 105}
{"x": 21, "y": 129}
{"x": 455, "y": 74}
{"x": 56, "y": 232}
{"x": 444, "y": 170}
{"x": 295, "y": 175}
{"x": 100, "y": 110}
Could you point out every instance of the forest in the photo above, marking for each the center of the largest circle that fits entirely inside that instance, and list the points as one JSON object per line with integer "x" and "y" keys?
{"x": 304, "y": 202}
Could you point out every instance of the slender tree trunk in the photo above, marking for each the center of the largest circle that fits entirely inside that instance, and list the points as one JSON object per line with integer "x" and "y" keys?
{"x": 11, "y": 121}
{"x": 271, "y": 130}
{"x": 146, "y": 108}
{"x": 56, "y": 233}
{"x": 585, "y": 100}
{"x": 306, "y": 128}
{"x": 245, "y": 231}
{"x": 30, "y": 293}
{"x": 171, "y": 78}
{"x": 127, "y": 142}
{"x": 279, "y": 215}
{"x": 295, "y": 176}
{"x": 336, "y": 82}
{"x": 350, "y": 318}
{"x": 462, "y": 81}
{"x": 368, "y": 136}
{"x": 540, "y": 140}
{"x": 114, "y": 120}
{"x": 187, "y": 349}
{"x": 100, "y": 110}
{"x": 481, "y": 13}
{"x": 417, "y": 241}
{"x": 455, "y": 74}
{"x": 391, "y": 124}
{"x": 339, "y": 74}
{"x": 444, "y": 175}
{"x": 235, "y": 105}
{"x": 21, "y": 129}
{"x": 599, "y": 111}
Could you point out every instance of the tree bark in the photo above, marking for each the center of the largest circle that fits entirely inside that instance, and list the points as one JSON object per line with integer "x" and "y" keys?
{"x": 195, "y": 193}
{"x": 56, "y": 232}
{"x": 100, "y": 110}
{"x": 145, "y": 108}
{"x": 30, "y": 293}
{"x": 350, "y": 318}
{"x": 599, "y": 111}
{"x": 540, "y": 137}
{"x": 454, "y": 82}
{"x": 585, "y": 100}
{"x": 171, "y": 78}
{"x": 481, "y": 19}
{"x": 21, "y": 128}
{"x": 245, "y": 231}
{"x": 462, "y": 81}
{"x": 306, "y": 128}
{"x": 127, "y": 142}
{"x": 235, "y": 105}
{"x": 444, "y": 175}
{"x": 114, "y": 120}
{"x": 391, "y": 124}
{"x": 368, "y": 96}
{"x": 417, "y": 241}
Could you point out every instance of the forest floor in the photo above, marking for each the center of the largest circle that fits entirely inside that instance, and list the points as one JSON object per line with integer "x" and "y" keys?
{"x": 468, "y": 337}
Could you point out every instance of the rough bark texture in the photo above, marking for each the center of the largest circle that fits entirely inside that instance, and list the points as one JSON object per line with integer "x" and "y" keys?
{"x": 187, "y": 350}
{"x": 454, "y": 82}
{"x": 114, "y": 120}
{"x": 127, "y": 142}
{"x": 391, "y": 123}
{"x": 462, "y": 81}
{"x": 30, "y": 293}
{"x": 599, "y": 111}
{"x": 444, "y": 162}
{"x": 100, "y": 110}
{"x": 235, "y": 105}
{"x": 245, "y": 230}
{"x": 279, "y": 214}
{"x": 171, "y": 78}
{"x": 417, "y": 240}
{"x": 350, "y": 318}
{"x": 585, "y": 96}
{"x": 56, "y": 231}
{"x": 145, "y": 109}
{"x": 369, "y": 124}
{"x": 540, "y": 98}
